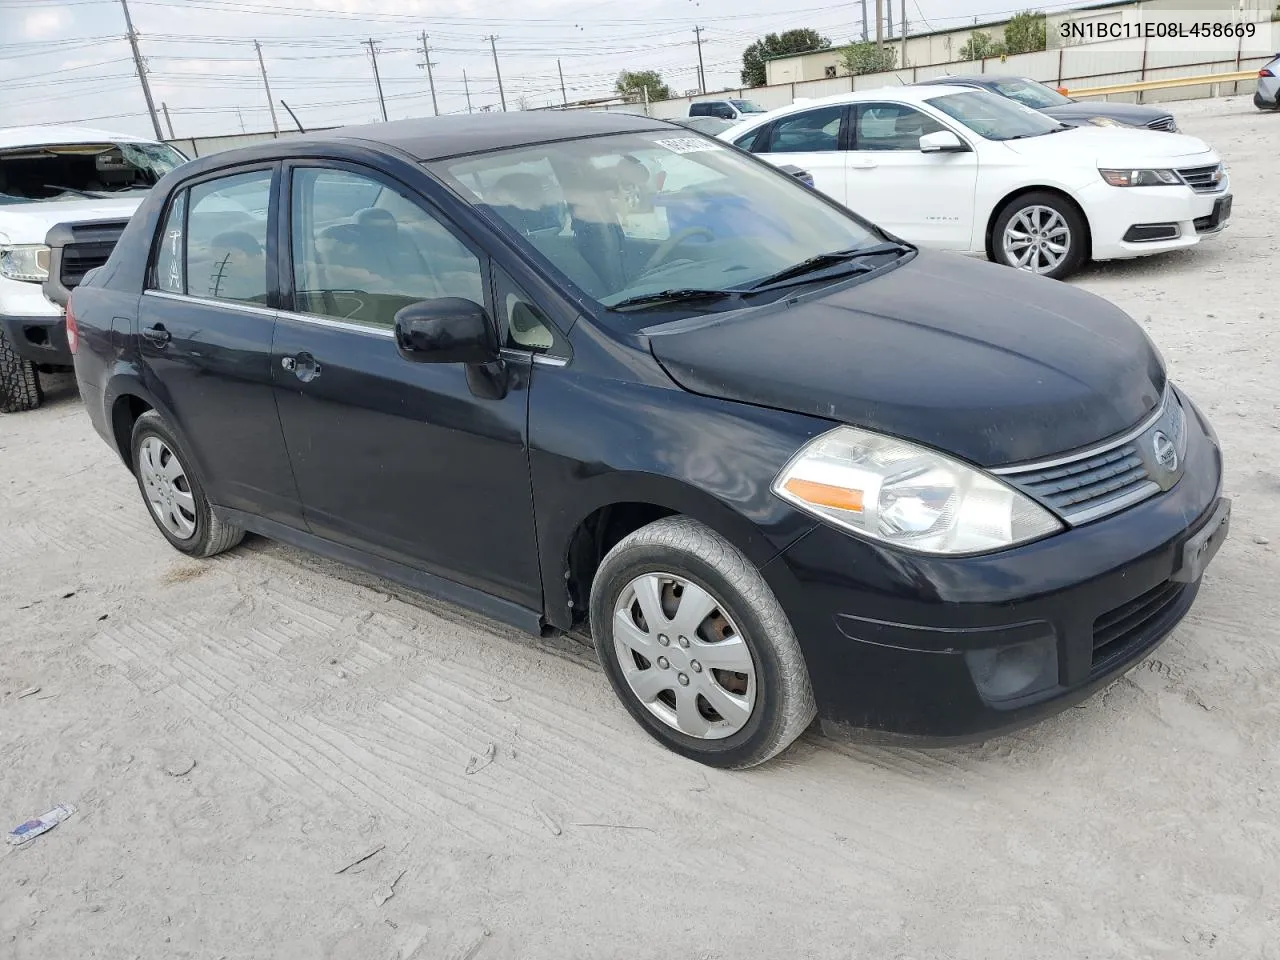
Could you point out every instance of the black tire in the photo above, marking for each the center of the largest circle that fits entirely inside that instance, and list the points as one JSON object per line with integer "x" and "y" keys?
{"x": 1078, "y": 246}
{"x": 784, "y": 705}
{"x": 211, "y": 536}
{"x": 19, "y": 380}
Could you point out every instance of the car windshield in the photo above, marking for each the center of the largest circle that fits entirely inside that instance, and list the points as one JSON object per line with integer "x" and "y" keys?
{"x": 994, "y": 118}
{"x": 637, "y": 214}
{"x": 1032, "y": 94}
{"x": 746, "y": 106}
{"x": 62, "y": 171}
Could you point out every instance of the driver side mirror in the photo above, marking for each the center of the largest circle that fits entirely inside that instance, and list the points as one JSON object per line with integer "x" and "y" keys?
{"x": 944, "y": 141}
{"x": 446, "y": 330}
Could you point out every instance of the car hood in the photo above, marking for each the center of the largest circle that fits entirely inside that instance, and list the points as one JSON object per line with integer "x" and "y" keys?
{"x": 29, "y": 222}
{"x": 1116, "y": 146}
{"x": 1132, "y": 113}
{"x": 984, "y": 362}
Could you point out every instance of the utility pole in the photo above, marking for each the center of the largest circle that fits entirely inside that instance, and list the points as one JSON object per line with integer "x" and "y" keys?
{"x": 564, "y": 97}
{"x": 373, "y": 52}
{"x": 466, "y": 87}
{"x": 142, "y": 70}
{"x": 168, "y": 122}
{"x": 493, "y": 45}
{"x": 702, "y": 71}
{"x": 426, "y": 62}
{"x": 888, "y": 15}
{"x": 880, "y": 23}
{"x": 240, "y": 117}
{"x": 271, "y": 104}
{"x": 903, "y": 21}
{"x": 864, "y": 21}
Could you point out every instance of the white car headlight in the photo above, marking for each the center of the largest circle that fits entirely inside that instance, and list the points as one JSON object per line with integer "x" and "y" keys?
{"x": 1105, "y": 122}
{"x": 28, "y": 261}
{"x": 1140, "y": 178}
{"x": 908, "y": 496}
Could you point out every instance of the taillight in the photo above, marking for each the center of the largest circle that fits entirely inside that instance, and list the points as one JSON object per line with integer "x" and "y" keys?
{"x": 1264, "y": 72}
{"x": 73, "y": 332}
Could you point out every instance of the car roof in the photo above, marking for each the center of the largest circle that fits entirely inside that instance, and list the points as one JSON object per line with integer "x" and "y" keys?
{"x": 48, "y": 136}
{"x": 434, "y": 138}
{"x": 899, "y": 94}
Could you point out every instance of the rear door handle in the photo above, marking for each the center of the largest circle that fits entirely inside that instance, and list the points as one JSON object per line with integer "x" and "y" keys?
{"x": 862, "y": 164}
{"x": 157, "y": 334}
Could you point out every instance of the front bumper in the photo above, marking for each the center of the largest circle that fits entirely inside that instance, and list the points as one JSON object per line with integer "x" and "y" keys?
{"x": 1113, "y": 212}
{"x": 41, "y": 340}
{"x": 900, "y": 646}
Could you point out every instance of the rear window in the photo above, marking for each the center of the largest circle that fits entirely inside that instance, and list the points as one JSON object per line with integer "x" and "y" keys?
{"x": 66, "y": 171}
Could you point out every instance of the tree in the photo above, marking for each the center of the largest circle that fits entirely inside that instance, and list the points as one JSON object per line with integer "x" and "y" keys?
{"x": 778, "y": 45}
{"x": 633, "y": 83}
{"x": 980, "y": 45}
{"x": 862, "y": 58}
{"x": 1024, "y": 33}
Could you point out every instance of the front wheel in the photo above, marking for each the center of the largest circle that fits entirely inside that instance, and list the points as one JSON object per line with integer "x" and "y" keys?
{"x": 19, "y": 381}
{"x": 1041, "y": 233}
{"x": 697, "y": 647}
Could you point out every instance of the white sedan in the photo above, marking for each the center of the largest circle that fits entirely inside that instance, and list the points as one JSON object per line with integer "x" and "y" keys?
{"x": 965, "y": 170}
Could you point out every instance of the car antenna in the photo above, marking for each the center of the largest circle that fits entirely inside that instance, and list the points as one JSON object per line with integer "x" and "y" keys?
{"x": 294, "y": 115}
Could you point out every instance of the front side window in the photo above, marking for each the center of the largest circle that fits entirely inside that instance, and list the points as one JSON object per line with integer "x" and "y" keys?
{"x": 746, "y": 106}
{"x": 227, "y": 238}
{"x": 813, "y": 131}
{"x": 891, "y": 126}
{"x": 169, "y": 273}
{"x": 362, "y": 250}
{"x": 635, "y": 214}
{"x": 993, "y": 117}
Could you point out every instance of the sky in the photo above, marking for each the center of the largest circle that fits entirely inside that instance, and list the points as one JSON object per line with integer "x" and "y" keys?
{"x": 69, "y": 61}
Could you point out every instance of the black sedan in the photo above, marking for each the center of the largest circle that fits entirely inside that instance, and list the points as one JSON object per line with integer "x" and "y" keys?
{"x": 587, "y": 372}
{"x": 1075, "y": 113}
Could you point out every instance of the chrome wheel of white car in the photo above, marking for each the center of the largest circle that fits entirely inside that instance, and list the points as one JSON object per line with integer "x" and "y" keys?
{"x": 1037, "y": 239}
{"x": 683, "y": 657}
{"x": 1042, "y": 233}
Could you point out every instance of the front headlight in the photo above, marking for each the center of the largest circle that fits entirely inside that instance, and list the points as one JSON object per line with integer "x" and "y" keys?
{"x": 1140, "y": 178}
{"x": 28, "y": 261}
{"x": 1105, "y": 122}
{"x": 908, "y": 496}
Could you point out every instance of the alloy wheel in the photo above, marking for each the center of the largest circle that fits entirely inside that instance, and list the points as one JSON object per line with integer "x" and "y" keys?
{"x": 1036, "y": 239}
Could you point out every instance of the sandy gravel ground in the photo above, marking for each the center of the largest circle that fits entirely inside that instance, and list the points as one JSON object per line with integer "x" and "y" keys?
{"x": 328, "y": 714}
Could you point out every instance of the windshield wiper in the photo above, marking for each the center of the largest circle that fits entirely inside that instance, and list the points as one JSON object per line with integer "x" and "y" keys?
{"x": 672, "y": 296}
{"x": 824, "y": 260}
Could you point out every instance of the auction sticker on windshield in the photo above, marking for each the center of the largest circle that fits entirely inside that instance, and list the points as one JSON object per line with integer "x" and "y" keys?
{"x": 688, "y": 144}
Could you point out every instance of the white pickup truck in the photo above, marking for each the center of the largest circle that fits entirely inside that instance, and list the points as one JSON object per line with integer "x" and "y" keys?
{"x": 66, "y": 194}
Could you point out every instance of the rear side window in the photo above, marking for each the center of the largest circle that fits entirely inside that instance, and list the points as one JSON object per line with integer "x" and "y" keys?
{"x": 227, "y": 238}
{"x": 700, "y": 110}
{"x": 169, "y": 273}
{"x": 813, "y": 131}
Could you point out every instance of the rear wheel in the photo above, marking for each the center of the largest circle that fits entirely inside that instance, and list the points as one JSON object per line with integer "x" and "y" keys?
{"x": 1040, "y": 233}
{"x": 697, "y": 647}
{"x": 173, "y": 493}
{"x": 19, "y": 381}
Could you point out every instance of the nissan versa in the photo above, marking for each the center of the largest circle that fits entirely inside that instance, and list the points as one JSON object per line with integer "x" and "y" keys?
{"x": 597, "y": 372}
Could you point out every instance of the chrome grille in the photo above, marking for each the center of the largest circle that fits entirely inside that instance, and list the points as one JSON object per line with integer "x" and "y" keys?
{"x": 1162, "y": 123}
{"x": 1108, "y": 478}
{"x": 1203, "y": 179}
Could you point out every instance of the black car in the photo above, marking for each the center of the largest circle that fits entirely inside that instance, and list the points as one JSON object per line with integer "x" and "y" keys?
{"x": 584, "y": 372}
{"x": 1075, "y": 113}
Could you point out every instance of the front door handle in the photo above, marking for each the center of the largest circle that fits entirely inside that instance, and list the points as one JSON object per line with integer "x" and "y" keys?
{"x": 302, "y": 365}
{"x": 862, "y": 164}
{"x": 157, "y": 334}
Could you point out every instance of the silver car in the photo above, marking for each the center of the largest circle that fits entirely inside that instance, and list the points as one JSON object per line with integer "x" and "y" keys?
{"x": 1267, "y": 96}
